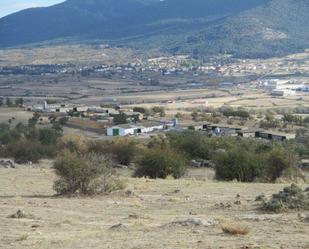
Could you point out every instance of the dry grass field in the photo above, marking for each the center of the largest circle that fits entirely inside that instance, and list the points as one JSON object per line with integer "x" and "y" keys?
{"x": 154, "y": 214}
{"x": 58, "y": 54}
{"x": 15, "y": 114}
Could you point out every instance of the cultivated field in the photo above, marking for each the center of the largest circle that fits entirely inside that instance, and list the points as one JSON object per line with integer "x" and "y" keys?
{"x": 148, "y": 216}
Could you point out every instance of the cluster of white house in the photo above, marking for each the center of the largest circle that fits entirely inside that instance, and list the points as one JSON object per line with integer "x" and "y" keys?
{"x": 283, "y": 87}
{"x": 234, "y": 131}
{"x": 62, "y": 108}
{"x": 134, "y": 129}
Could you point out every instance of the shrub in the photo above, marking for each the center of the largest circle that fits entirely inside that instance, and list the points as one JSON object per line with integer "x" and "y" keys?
{"x": 192, "y": 143}
{"x": 120, "y": 119}
{"x": 99, "y": 147}
{"x": 124, "y": 150}
{"x": 159, "y": 110}
{"x": 160, "y": 163}
{"x": 74, "y": 143}
{"x": 63, "y": 120}
{"x": 228, "y": 112}
{"x": 89, "y": 174}
{"x": 48, "y": 136}
{"x": 251, "y": 160}
{"x": 25, "y": 151}
{"x": 141, "y": 110}
{"x": 237, "y": 164}
{"x": 277, "y": 161}
{"x": 291, "y": 197}
{"x": 234, "y": 228}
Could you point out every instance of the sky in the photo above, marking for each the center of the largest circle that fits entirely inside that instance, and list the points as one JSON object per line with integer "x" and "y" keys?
{"x": 11, "y": 6}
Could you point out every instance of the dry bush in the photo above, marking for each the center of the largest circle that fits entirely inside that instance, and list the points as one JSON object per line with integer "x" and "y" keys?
{"x": 85, "y": 174}
{"x": 74, "y": 143}
{"x": 234, "y": 228}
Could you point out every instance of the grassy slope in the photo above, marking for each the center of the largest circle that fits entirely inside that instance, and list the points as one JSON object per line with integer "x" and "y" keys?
{"x": 85, "y": 222}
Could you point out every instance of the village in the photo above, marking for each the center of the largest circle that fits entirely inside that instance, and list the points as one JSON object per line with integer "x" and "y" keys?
{"x": 154, "y": 124}
{"x": 120, "y": 121}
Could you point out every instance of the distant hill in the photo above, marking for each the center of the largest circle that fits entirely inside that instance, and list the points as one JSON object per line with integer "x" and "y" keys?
{"x": 244, "y": 28}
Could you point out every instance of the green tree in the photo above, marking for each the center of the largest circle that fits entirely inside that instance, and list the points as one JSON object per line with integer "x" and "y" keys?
{"x": 124, "y": 150}
{"x": 19, "y": 102}
{"x": 63, "y": 121}
{"x": 160, "y": 163}
{"x": 277, "y": 161}
{"x": 238, "y": 164}
{"x": 8, "y": 102}
{"x": 141, "y": 110}
{"x": 48, "y": 136}
{"x": 25, "y": 150}
{"x": 32, "y": 122}
{"x": 159, "y": 110}
{"x": 84, "y": 174}
{"x": 120, "y": 119}
{"x": 195, "y": 115}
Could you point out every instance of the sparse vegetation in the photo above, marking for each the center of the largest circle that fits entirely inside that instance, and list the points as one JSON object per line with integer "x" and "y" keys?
{"x": 120, "y": 119}
{"x": 235, "y": 158}
{"x": 161, "y": 162}
{"x": 124, "y": 150}
{"x": 28, "y": 143}
{"x": 234, "y": 228}
{"x": 84, "y": 174}
{"x": 290, "y": 198}
{"x": 159, "y": 110}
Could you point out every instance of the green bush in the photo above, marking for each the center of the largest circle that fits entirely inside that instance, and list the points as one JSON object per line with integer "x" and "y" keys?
{"x": 124, "y": 150}
{"x": 277, "y": 161}
{"x": 237, "y": 164}
{"x": 90, "y": 174}
{"x": 25, "y": 142}
{"x": 48, "y": 136}
{"x": 290, "y": 198}
{"x": 25, "y": 151}
{"x": 160, "y": 163}
{"x": 193, "y": 144}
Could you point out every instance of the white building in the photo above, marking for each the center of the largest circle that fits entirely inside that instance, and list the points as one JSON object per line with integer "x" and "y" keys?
{"x": 282, "y": 85}
{"x": 134, "y": 129}
{"x": 282, "y": 93}
{"x": 122, "y": 130}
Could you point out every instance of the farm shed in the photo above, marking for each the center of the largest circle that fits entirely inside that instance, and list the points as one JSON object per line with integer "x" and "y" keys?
{"x": 122, "y": 130}
{"x": 134, "y": 129}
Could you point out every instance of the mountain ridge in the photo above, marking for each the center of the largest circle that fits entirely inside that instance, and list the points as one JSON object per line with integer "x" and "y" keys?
{"x": 255, "y": 28}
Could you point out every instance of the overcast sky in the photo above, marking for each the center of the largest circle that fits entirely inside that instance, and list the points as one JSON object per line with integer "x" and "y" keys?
{"x": 11, "y": 6}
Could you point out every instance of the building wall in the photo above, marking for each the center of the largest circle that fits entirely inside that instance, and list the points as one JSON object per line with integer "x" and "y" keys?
{"x": 152, "y": 128}
{"x": 122, "y": 132}
{"x": 132, "y": 131}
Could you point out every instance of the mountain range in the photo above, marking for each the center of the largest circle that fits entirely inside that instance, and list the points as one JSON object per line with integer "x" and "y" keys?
{"x": 242, "y": 28}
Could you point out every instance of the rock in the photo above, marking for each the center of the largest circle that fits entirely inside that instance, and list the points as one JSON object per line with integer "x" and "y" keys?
{"x": 118, "y": 226}
{"x": 129, "y": 193}
{"x": 261, "y": 198}
{"x": 121, "y": 166}
{"x": 133, "y": 216}
{"x": 223, "y": 205}
{"x": 303, "y": 217}
{"x": 7, "y": 164}
{"x": 194, "y": 222}
{"x": 237, "y": 202}
{"x": 18, "y": 215}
